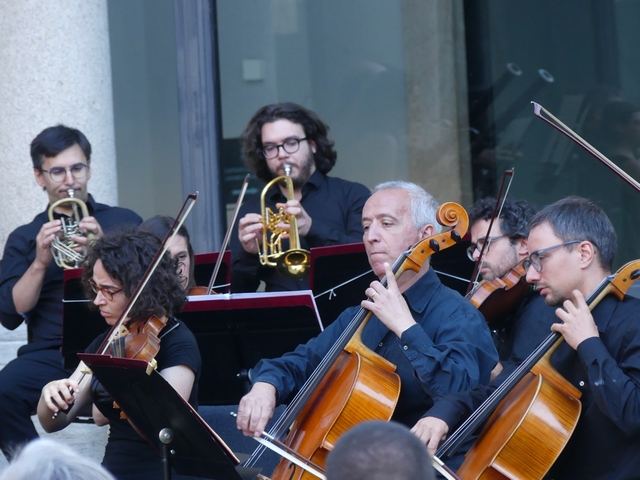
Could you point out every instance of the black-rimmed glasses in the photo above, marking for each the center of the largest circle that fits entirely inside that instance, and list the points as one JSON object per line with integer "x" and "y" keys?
{"x": 290, "y": 145}
{"x": 106, "y": 291}
{"x": 57, "y": 174}
{"x": 535, "y": 260}
{"x": 478, "y": 246}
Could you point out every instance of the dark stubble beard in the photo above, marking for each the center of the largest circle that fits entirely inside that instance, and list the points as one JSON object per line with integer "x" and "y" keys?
{"x": 304, "y": 172}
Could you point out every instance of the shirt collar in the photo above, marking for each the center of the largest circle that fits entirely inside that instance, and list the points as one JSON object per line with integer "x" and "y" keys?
{"x": 420, "y": 293}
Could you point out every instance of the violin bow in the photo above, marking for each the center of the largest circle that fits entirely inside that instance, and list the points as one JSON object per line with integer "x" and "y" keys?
{"x": 115, "y": 330}
{"x": 556, "y": 123}
{"x": 182, "y": 216}
{"x": 497, "y": 210}
{"x": 227, "y": 236}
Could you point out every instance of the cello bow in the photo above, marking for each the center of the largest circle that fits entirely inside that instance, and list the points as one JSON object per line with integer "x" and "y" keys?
{"x": 556, "y": 123}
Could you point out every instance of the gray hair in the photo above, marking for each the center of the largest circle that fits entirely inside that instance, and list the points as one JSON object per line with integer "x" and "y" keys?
{"x": 423, "y": 205}
{"x": 47, "y": 460}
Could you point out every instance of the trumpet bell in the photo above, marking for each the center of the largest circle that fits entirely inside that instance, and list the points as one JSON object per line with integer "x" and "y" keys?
{"x": 294, "y": 264}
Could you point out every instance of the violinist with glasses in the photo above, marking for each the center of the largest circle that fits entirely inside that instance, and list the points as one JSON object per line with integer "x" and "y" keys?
{"x": 114, "y": 267}
{"x": 515, "y": 334}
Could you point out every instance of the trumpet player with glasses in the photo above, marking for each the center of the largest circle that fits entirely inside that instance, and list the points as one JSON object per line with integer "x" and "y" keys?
{"x": 287, "y": 140}
{"x": 31, "y": 278}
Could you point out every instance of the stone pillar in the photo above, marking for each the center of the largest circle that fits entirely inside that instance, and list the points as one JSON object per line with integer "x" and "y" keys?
{"x": 55, "y": 69}
{"x": 436, "y": 83}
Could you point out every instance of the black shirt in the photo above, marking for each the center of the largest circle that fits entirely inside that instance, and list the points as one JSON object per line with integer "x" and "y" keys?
{"x": 335, "y": 205}
{"x": 532, "y": 324}
{"x": 606, "y": 441}
{"x": 127, "y": 455}
{"x": 44, "y": 321}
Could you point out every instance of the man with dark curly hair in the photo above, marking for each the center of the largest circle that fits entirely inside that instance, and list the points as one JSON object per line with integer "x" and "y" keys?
{"x": 515, "y": 335}
{"x": 115, "y": 266}
{"x": 328, "y": 209}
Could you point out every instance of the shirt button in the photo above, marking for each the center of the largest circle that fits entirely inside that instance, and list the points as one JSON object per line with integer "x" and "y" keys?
{"x": 581, "y": 383}
{"x": 405, "y": 347}
{"x": 380, "y": 344}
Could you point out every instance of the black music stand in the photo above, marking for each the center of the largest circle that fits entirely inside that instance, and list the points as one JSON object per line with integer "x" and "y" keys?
{"x": 185, "y": 442}
{"x": 235, "y": 331}
{"x": 339, "y": 276}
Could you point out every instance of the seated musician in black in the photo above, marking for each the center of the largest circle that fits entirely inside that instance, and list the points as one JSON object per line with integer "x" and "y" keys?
{"x": 572, "y": 244}
{"x": 517, "y": 335}
{"x": 114, "y": 266}
{"x": 437, "y": 340}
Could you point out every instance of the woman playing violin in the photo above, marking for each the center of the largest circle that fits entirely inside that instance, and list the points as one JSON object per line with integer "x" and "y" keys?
{"x": 114, "y": 266}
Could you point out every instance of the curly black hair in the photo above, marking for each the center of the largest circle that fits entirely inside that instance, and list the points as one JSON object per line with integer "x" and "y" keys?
{"x": 126, "y": 255}
{"x": 314, "y": 129}
{"x": 515, "y": 215}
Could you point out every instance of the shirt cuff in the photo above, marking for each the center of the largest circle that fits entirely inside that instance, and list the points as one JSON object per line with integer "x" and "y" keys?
{"x": 414, "y": 340}
{"x": 446, "y": 412}
{"x": 591, "y": 350}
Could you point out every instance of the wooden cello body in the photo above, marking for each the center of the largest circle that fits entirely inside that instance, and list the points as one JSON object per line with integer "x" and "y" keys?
{"x": 343, "y": 399}
{"x": 352, "y": 384}
{"x": 537, "y": 412}
{"x": 529, "y": 429}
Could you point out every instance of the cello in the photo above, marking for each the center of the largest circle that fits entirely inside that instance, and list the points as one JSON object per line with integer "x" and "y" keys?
{"x": 537, "y": 409}
{"x": 352, "y": 383}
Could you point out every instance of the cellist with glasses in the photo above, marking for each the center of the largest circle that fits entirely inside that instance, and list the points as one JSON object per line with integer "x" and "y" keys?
{"x": 515, "y": 334}
{"x": 571, "y": 248}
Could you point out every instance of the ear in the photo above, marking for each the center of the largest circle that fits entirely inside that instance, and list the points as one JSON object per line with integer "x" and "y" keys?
{"x": 522, "y": 248}
{"x": 39, "y": 177}
{"x": 313, "y": 146}
{"x": 88, "y": 171}
{"x": 587, "y": 254}
{"x": 427, "y": 231}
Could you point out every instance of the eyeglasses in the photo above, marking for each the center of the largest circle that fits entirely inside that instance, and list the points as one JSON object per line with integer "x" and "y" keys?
{"x": 106, "y": 291}
{"x": 535, "y": 260}
{"x": 290, "y": 145}
{"x": 478, "y": 246}
{"x": 57, "y": 174}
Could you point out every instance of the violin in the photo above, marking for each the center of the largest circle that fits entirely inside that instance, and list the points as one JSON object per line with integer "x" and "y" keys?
{"x": 139, "y": 339}
{"x": 499, "y": 298}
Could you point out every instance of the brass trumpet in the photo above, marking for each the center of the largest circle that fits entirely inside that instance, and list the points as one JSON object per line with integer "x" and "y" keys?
{"x": 63, "y": 248}
{"x": 293, "y": 263}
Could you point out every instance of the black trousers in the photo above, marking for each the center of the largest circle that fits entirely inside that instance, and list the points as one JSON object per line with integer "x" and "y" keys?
{"x": 21, "y": 382}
